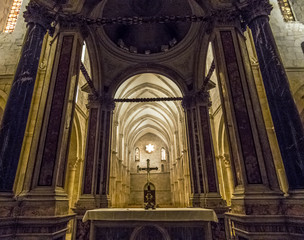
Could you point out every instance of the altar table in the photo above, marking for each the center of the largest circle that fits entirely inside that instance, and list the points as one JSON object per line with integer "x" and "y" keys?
{"x": 158, "y": 224}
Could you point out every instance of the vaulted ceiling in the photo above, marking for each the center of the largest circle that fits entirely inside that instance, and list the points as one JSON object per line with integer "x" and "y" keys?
{"x": 138, "y": 118}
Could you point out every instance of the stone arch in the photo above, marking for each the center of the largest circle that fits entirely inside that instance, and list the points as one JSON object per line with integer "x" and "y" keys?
{"x": 154, "y": 227}
{"x": 148, "y": 68}
{"x": 161, "y": 122}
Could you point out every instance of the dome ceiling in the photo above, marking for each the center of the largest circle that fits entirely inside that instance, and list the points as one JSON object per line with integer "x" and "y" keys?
{"x": 146, "y": 38}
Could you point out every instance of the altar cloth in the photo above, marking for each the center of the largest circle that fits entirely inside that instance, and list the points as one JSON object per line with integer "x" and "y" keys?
{"x": 159, "y": 214}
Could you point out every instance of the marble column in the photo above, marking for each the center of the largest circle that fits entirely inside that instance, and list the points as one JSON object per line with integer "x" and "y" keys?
{"x": 51, "y": 161}
{"x": 95, "y": 188}
{"x": 285, "y": 116}
{"x": 89, "y": 184}
{"x": 251, "y": 157}
{"x": 106, "y": 115}
{"x": 18, "y": 105}
{"x": 205, "y": 187}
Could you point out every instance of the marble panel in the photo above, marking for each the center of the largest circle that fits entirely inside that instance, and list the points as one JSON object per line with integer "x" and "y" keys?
{"x": 55, "y": 118}
{"x": 241, "y": 113}
{"x": 89, "y": 160}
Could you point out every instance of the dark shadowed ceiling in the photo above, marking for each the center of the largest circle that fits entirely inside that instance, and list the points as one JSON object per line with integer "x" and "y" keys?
{"x": 151, "y": 38}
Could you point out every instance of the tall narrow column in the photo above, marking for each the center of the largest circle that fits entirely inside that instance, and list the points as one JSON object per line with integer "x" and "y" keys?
{"x": 103, "y": 170}
{"x": 95, "y": 188}
{"x": 205, "y": 187}
{"x": 285, "y": 116}
{"x": 51, "y": 161}
{"x": 18, "y": 105}
{"x": 257, "y": 199}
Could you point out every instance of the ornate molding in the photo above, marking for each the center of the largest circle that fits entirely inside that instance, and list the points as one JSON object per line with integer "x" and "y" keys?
{"x": 254, "y": 9}
{"x": 226, "y": 16}
{"x": 40, "y": 15}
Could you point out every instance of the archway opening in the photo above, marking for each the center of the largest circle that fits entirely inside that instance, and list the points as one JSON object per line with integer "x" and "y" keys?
{"x": 149, "y": 120}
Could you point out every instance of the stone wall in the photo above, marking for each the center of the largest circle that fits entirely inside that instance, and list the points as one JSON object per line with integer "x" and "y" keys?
{"x": 298, "y": 8}
{"x": 161, "y": 181}
{"x": 11, "y": 43}
{"x": 4, "y": 11}
{"x": 155, "y": 156}
{"x": 289, "y": 36}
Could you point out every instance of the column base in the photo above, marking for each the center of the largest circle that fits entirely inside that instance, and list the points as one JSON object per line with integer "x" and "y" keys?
{"x": 213, "y": 201}
{"x": 265, "y": 216}
{"x": 257, "y": 200}
{"x": 294, "y": 203}
{"x": 105, "y": 201}
{"x": 43, "y": 202}
{"x": 264, "y": 227}
{"x": 33, "y": 217}
{"x": 210, "y": 200}
{"x": 7, "y": 205}
{"x": 35, "y": 228}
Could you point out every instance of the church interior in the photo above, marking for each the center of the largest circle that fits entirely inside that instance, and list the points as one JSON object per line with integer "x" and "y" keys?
{"x": 152, "y": 119}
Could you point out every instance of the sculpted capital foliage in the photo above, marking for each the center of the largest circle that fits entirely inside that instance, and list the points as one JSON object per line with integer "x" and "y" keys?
{"x": 254, "y": 9}
{"x": 40, "y": 15}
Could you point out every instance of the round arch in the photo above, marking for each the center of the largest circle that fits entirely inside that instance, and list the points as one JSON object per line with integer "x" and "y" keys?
{"x": 148, "y": 68}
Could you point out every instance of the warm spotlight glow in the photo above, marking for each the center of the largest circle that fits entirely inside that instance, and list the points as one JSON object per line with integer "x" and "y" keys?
{"x": 12, "y": 17}
{"x": 150, "y": 148}
{"x": 286, "y": 10}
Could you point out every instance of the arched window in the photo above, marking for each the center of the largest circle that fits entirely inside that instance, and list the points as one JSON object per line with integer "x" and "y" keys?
{"x": 137, "y": 154}
{"x": 12, "y": 17}
{"x": 286, "y": 10}
{"x": 163, "y": 154}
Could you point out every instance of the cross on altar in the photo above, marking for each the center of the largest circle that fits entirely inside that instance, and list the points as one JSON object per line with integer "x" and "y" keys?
{"x": 148, "y": 195}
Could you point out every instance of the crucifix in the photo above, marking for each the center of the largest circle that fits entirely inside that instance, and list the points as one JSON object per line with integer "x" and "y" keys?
{"x": 148, "y": 195}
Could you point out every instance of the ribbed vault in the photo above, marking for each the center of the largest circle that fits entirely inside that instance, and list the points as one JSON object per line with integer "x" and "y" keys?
{"x": 136, "y": 120}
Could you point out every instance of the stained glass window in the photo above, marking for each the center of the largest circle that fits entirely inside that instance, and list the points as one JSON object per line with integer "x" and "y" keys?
{"x": 12, "y": 17}
{"x": 286, "y": 10}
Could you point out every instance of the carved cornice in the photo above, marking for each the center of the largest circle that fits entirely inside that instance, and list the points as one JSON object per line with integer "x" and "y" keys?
{"x": 254, "y": 9}
{"x": 226, "y": 16}
{"x": 40, "y": 15}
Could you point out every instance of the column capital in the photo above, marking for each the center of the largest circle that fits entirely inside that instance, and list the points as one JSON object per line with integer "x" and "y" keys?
{"x": 254, "y": 9}
{"x": 107, "y": 102}
{"x": 226, "y": 16}
{"x": 93, "y": 101}
{"x": 192, "y": 99}
{"x": 38, "y": 14}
